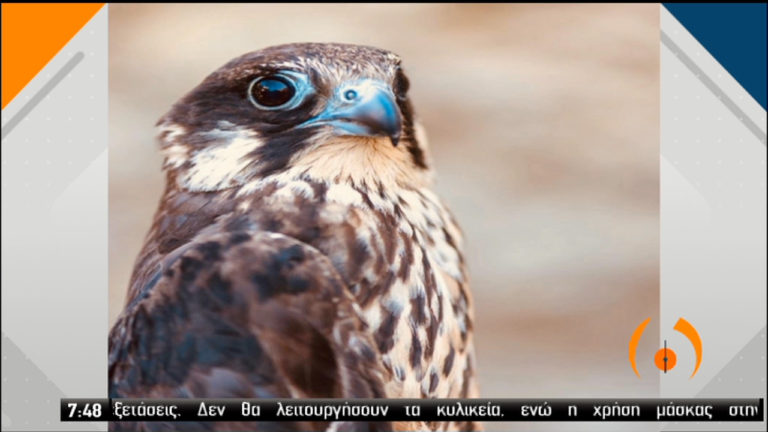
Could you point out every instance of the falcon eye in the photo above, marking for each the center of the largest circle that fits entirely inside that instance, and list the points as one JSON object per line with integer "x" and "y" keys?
{"x": 271, "y": 92}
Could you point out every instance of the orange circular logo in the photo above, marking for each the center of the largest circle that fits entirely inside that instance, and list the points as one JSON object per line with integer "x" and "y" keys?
{"x": 665, "y": 359}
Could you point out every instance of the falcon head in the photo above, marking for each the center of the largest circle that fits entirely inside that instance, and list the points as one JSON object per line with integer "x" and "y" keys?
{"x": 329, "y": 112}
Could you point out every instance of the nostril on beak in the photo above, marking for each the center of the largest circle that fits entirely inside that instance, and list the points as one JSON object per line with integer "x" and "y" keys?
{"x": 350, "y": 95}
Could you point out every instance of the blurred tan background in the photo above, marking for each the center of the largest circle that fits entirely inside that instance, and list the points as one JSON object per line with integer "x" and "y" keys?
{"x": 544, "y": 127}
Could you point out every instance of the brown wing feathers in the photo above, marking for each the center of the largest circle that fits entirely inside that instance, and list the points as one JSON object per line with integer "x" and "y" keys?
{"x": 244, "y": 315}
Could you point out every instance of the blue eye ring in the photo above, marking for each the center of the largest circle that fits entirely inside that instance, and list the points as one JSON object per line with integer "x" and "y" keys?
{"x": 296, "y": 87}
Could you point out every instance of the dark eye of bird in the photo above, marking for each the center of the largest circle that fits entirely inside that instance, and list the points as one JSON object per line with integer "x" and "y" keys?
{"x": 272, "y": 91}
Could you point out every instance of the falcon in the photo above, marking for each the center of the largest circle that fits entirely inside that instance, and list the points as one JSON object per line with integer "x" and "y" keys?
{"x": 298, "y": 250}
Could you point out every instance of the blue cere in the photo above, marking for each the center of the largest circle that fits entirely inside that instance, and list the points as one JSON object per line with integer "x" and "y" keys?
{"x": 363, "y": 108}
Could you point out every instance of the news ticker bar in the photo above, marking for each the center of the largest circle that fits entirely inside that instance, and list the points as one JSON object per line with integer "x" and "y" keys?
{"x": 170, "y": 410}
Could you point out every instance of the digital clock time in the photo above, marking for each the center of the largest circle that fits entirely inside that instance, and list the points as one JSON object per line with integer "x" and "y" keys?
{"x": 89, "y": 410}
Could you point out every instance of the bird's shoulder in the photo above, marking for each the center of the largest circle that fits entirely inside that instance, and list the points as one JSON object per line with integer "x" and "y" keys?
{"x": 235, "y": 314}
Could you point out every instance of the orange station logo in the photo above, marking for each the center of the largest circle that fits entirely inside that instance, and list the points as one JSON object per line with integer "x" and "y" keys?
{"x": 665, "y": 358}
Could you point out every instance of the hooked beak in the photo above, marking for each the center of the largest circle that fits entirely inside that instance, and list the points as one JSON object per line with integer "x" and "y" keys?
{"x": 365, "y": 108}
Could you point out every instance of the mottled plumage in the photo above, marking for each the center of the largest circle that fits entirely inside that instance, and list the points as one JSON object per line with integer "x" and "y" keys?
{"x": 297, "y": 251}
